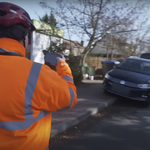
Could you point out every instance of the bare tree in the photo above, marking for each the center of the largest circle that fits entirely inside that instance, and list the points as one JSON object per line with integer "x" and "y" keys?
{"x": 90, "y": 20}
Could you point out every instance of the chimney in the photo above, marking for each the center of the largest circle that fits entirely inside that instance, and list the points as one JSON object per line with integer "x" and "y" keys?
{"x": 82, "y": 43}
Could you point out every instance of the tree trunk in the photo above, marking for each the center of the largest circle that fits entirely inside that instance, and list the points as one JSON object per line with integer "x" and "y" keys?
{"x": 107, "y": 55}
{"x": 112, "y": 55}
{"x": 83, "y": 61}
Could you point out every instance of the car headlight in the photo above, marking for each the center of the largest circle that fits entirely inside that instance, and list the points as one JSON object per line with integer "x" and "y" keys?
{"x": 144, "y": 86}
{"x": 107, "y": 76}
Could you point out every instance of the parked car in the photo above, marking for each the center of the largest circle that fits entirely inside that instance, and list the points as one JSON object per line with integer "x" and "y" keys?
{"x": 108, "y": 65}
{"x": 130, "y": 79}
{"x": 145, "y": 55}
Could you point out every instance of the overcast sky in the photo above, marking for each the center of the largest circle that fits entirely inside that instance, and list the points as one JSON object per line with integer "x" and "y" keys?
{"x": 34, "y": 9}
{"x": 31, "y": 6}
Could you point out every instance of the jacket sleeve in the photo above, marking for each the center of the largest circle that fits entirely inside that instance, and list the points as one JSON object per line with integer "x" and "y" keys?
{"x": 55, "y": 90}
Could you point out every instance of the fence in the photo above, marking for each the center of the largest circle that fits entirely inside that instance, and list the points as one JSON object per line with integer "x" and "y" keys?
{"x": 94, "y": 61}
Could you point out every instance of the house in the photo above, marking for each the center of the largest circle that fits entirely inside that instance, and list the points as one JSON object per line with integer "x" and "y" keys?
{"x": 72, "y": 47}
{"x": 40, "y": 40}
{"x": 143, "y": 47}
{"x": 110, "y": 46}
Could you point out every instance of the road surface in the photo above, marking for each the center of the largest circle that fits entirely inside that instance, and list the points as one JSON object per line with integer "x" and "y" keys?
{"x": 123, "y": 126}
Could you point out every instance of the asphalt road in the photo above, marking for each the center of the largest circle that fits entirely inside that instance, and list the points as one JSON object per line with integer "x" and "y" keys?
{"x": 123, "y": 126}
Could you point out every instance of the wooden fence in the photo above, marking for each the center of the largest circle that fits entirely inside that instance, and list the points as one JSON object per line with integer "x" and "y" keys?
{"x": 94, "y": 61}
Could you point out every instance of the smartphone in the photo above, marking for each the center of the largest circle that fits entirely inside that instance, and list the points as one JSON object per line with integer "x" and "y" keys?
{"x": 51, "y": 58}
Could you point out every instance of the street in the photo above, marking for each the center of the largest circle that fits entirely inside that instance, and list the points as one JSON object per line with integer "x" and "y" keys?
{"x": 123, "y": 126}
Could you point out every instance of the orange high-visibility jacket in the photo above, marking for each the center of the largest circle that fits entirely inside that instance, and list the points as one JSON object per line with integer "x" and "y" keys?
{"x": 29, "y": 92}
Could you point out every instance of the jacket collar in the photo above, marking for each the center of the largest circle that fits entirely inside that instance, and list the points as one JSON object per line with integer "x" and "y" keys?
{"x": 12, "y": 45}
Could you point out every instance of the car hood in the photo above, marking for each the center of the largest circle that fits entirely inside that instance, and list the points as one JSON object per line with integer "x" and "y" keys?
{"x": 129, "y": 76}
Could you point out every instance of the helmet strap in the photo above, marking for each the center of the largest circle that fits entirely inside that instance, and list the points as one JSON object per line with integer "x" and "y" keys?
{"x": 24, "y": 42}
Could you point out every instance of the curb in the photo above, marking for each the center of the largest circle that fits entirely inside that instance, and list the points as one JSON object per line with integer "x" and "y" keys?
{"x": 73, "y": 121}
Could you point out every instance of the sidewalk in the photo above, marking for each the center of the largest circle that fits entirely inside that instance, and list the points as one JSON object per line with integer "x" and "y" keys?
{"x": 91, "y": 99}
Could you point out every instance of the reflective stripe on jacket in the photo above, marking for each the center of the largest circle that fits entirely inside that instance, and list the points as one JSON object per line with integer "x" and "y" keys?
{"x": 29, "y": 92}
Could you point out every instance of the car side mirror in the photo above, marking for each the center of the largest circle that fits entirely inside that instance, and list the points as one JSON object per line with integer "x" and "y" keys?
{"x": 116, "y": 64}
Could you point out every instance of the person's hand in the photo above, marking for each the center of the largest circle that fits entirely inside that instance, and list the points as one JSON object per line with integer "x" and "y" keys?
{"x": 58, "y": 59}
{"x": 61, "y": 58}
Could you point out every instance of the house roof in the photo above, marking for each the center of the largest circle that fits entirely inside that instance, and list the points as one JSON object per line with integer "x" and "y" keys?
{"x": 46, "y": 28}
{"x": 71, "y": 45}
{"x": 104, "y": 46}
{"x": 100, "y": 49}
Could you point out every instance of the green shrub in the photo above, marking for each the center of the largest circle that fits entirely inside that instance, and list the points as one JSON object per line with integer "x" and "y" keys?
{"x": 74, "y": 63}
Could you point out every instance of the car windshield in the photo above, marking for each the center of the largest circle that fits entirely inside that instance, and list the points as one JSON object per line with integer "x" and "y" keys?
{"x": 140, "y": 66}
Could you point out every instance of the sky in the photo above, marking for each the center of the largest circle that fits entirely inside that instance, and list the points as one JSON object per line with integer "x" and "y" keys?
{"x": 31, "y": 6}
{"x": 34, "y": 9}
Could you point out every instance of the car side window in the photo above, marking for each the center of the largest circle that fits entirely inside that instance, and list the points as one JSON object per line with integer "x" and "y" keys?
{"x": 145, "y": 67}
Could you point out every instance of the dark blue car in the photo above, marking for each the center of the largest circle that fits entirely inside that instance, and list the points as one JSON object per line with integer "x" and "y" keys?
{"x": 130, "y": 79}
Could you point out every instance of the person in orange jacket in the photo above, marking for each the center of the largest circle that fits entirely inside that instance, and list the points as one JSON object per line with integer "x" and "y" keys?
{"x": 29, "y": 91}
